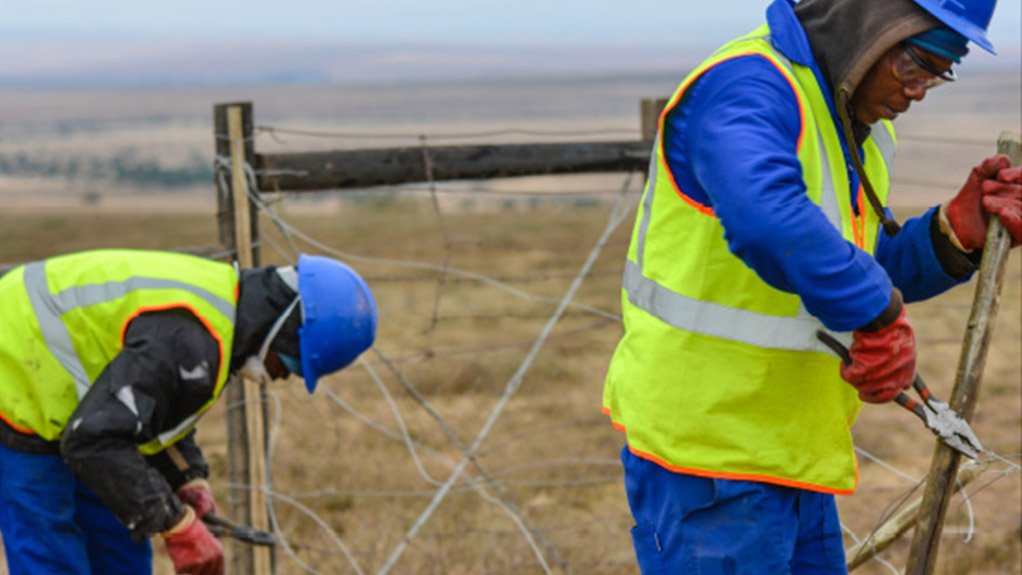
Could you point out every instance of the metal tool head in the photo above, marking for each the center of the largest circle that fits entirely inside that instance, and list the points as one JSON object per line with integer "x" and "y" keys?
{"x": 253, "y": 536}
{"x": 222, "y": 527}
{"x": 954, "y": 431}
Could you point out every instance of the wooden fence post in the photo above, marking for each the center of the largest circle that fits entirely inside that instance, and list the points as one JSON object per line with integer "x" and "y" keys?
{"x": 649, "y": 110}
{"x": 649, "y": 118}
{"x": 940, "y": 483}
{"x": 892, "y": 529}
{"x": 246, "y": 405}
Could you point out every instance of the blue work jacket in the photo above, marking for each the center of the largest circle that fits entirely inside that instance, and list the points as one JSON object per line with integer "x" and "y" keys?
{"x": 731, "y": 144}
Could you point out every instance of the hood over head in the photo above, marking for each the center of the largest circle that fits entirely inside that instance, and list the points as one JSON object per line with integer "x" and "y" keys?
{"x": 849, "y": 36}
{"x": 262, "y": 298}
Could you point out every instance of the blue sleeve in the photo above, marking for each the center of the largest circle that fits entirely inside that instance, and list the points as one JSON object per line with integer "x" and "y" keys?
{"x": 911, "y": 262}
{"x": 732, "y": 144}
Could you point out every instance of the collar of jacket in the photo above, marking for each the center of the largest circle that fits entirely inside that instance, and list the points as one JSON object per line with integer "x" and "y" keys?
{"x": 790, "y": 38}
{"x": 262, "y": 297}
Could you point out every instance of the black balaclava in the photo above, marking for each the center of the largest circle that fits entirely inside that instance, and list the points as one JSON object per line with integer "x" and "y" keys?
{"x": 263, "y": 297}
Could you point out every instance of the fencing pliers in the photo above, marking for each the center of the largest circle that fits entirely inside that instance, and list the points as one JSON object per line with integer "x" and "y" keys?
{"x": 222, "y": 527}
{"x": 947, "y": 425}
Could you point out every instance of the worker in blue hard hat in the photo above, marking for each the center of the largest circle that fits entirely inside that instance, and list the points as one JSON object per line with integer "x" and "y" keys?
{"x": 107, "y": 360}
{"x": 764, "y": 220}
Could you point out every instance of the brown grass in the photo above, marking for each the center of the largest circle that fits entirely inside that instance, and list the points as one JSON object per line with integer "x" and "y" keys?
{"x": 552, "y": 451}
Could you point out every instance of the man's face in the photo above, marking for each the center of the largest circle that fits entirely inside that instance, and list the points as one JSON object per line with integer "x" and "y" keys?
{"x": 275, "y": 367}
{"x": 894, "y": 82}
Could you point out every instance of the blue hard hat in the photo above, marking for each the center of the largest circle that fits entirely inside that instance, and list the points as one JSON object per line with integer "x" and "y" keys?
{"x": 970, "y": 18}
{"x": 339, "y": 317}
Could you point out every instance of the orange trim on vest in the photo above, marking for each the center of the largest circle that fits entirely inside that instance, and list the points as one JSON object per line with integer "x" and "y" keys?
{"x": 17, "y": 427}
{"x": 614, "y": 424}
{"x": 703, "y": 208}
{"x": 205, "y": 323}
{"x": 859, "y": 221}
{"x": 736, "y": 476}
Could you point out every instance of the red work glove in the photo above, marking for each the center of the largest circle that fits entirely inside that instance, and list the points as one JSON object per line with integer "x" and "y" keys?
{"x": 983, "y": 193}
{"x": 883, "y": 359}
{"x": 1003, "y": 197}
{"x": 192, "y": 548}
{"x": 199, "y": 496}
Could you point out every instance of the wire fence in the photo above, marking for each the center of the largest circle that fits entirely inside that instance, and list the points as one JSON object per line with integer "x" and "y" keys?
{"x": 449, "y": 470}
{"x": 469, "y": 439}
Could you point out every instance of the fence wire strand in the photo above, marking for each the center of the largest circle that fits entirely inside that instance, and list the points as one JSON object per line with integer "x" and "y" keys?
{"x": 485, "y": 483}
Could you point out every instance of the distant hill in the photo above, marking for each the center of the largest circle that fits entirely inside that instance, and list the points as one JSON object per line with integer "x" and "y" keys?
{"x": 26, "y": 64}
{"x": 96, "y": 64}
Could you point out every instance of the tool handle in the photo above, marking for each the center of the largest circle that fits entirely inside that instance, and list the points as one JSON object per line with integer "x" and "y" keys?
{"x": 223, "y": 527}
{"x": 903, "y": 398}
{"x": 217, "y": 525}
{"x": 912, "y": 405}
{"x": 835, "y": 345}
{"x": 921, "y": 388}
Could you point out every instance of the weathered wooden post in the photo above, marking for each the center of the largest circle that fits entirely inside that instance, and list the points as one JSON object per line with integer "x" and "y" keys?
{"x": 883, "y": 536}
{"x": 246, "y": 437}
{"x": 649, "y": 115}
{"x": 649, "y": 118}
{"x": 940, "y": 483}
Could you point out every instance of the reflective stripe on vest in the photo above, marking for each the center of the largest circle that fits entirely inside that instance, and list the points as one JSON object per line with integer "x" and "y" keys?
{"x": 708, "y": 318}
{"x": 65, "y": 320}
{"x": 49, "y": 307}
{"x": 719, "y": 374}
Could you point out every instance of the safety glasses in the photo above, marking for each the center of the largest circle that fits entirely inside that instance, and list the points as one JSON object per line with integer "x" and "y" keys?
{"x": 913, "y": 72}
{"x": 293, "y": 364}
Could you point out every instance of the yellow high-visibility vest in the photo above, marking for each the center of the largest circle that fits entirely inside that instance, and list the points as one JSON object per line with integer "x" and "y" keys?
{"x": 64, "y": 320}
{"x": 718, "y": 374}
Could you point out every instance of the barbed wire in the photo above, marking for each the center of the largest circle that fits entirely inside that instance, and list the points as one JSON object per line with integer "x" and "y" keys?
{"x": 274, "y": 131}
{"x": 223, "y": 163}
{"x": 501, "y": 499}
{"x": 512, "y": 386}
{"x": 427, "y": 163}
{"x": 497, "y": 479}
{"x": 455, "y": 484}
{"x": 289, "y": 244}
{"x": 468, "y": 452}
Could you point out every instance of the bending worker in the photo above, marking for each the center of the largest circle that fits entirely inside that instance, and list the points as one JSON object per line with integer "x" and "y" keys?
{"x": 763, "y": 220}
{"x": 107, "y": 360}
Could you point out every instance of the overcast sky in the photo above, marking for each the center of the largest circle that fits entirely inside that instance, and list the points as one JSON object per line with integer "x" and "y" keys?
{"x": 49, "y": 34}
{"x": 445, "y": 21}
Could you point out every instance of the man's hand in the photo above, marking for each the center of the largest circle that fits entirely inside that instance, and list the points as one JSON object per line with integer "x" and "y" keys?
{"x": 192, "y": 548}
{"x": 199, "y": 496}
{"x": 993, "y": 187}
{"x": 1003, "y": 197}
{"x": 883, "y": 359}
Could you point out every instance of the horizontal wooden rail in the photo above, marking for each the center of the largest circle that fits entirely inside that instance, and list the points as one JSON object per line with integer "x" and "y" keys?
{"x": 339, "y": 169}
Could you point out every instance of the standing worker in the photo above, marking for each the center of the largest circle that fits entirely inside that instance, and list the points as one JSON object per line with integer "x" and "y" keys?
{"x": 761, "y": 223}
{"x": 107, "y": 360}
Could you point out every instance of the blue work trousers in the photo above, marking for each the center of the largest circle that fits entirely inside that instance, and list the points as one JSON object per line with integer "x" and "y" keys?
{"x": 51, "y": 523}
{"x": 689, "y": 525}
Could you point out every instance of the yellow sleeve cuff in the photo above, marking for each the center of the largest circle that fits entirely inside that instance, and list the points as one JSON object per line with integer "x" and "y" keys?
{"x": 184, "y": 523}
{"x": 947, "y": 230}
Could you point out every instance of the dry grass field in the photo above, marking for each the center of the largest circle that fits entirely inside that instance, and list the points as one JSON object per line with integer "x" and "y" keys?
{"x": 348, "y": 486}
{"x": 357, "y": 463}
